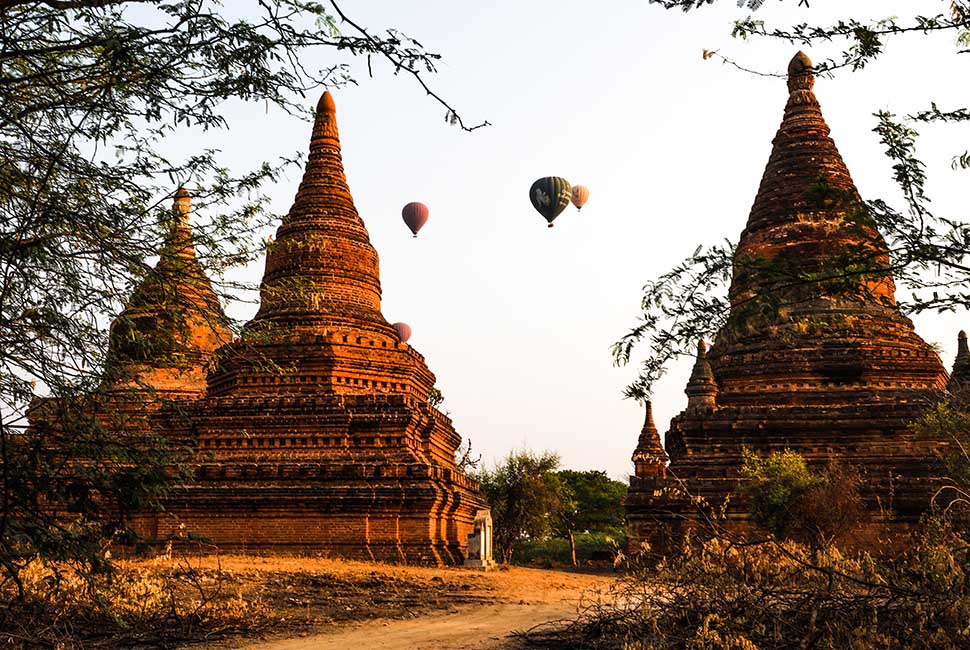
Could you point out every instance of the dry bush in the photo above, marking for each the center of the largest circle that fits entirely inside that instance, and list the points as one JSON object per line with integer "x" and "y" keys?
{"x": 784, "y": 596}
{"x": 64, "y": 608}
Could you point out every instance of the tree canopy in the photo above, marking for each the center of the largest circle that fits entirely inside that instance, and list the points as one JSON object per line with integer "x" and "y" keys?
{"x": 526, "y": 496}
{"x": 597, "y": 501}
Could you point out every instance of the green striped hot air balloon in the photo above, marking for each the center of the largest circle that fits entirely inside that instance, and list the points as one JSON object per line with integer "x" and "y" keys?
{"x": 550, "y": 196}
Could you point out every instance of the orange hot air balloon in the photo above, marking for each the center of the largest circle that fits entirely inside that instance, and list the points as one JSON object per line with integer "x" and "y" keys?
{"x": 403, "y": 330}
{"x": 415, "y": 216}
{"x": 580, "y": 194}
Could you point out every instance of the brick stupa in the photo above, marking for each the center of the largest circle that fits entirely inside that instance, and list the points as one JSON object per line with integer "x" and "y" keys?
{"x": 314, "y": 430}
{"x": 165, "y": 339}
{"x": 827, "y": 370}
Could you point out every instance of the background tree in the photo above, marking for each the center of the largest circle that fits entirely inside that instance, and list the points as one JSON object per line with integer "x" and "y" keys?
{"x": 592, "y": 502}
{"x": 526, "y": 496}
{"x": 90, "y": 90}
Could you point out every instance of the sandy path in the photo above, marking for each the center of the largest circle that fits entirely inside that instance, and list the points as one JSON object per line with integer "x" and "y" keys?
{"x": 471, "y": 628}
{"x": 526, "y": 597}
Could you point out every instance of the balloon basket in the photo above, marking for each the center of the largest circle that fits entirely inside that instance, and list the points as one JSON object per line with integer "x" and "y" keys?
{"x": 549, "y": 226}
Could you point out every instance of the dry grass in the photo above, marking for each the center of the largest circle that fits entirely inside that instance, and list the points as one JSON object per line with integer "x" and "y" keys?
{"x": 164, "y": 602}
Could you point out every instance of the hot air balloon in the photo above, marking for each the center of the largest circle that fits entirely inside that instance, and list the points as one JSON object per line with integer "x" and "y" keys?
{"x": 580, "y": 194}
{"x": 550, "y": 196}
{"x": 403, "y": 330}
{"x": 415, "y": 215}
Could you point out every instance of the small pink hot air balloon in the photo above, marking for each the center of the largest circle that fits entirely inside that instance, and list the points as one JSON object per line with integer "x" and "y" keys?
{"x": 403, "y": 330}
{"x": 415, "y": 215}
{"x": 580, "y": 194}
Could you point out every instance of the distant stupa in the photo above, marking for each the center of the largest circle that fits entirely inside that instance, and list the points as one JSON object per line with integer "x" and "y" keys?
{"x": 830, "y": 371}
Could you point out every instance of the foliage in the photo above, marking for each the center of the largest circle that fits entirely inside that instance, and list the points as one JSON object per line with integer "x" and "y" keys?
{"x": 794, "y": 502}
{"x": 597, "y": 501}
{"x": 532, "y": 501}
{"x": 556, "y": 551}
{"x": 774, "y": 483}
{"x": 927, "y": 251}
{"x": 58, "y": 508}
{"x": 783, "y": 596}
{"x": 526, "y": 496}
{"x": 949, "y": 422}
{"x": 91, "y": 93}
{"x": 591, "y": 502}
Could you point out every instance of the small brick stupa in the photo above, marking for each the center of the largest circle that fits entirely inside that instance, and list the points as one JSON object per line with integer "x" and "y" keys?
{"x": 314, "y": 429}
{"x": 166, "y": 338}
{"x": 829, "y": 371}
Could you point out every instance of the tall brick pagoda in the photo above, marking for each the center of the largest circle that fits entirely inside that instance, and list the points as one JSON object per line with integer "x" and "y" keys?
{"x": 827, "y": 370}
{"x": 314, "y": 429}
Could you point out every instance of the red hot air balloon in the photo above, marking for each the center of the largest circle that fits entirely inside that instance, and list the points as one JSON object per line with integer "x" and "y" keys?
{"x": 403, "y": 330}
{"x": 580, "y": 194}
{"x": 415, "y": 215}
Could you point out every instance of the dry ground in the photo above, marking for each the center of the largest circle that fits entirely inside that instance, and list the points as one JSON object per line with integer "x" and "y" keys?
{"x": 315, "y": 603}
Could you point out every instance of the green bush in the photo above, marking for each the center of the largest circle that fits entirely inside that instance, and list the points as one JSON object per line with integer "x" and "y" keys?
{"x": 556, "y": 550}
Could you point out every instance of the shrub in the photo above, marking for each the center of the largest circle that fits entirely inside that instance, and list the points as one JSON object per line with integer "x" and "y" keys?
{"x": 556, "y": 550}
{"x": 794, "y": 502}
{"x": 782, "y": 595}
{"x": 62, "y": 606}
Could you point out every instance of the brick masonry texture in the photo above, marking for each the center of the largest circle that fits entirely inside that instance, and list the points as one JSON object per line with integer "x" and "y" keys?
{"x": 313, "y": 428}
{"x": 828, "y": 372}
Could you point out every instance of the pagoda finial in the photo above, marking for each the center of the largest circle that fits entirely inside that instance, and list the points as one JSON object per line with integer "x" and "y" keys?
{"x": 648, "y": 425}
{"x": 179, "y": 240}
{"x": 960, "y": 375}
{"x": 183, "y": 201}
{"x": 325, "y": 125}
{"x": 701, "y": 388}
{"x": 326, "y": 105}
{"x": 801, "y": 75}
{"x": 322, "y": 268}
{"x": 649, "y": 458}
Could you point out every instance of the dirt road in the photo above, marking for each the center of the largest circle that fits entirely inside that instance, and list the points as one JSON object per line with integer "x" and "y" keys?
{"x": 523, "y": 598}
{"x": 471, "y": 628}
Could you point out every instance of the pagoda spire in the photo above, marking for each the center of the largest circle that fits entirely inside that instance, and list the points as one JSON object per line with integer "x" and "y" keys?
{"x": 649, "y": 457}
{"x": 960, "y": 375}
{"x": 173, "y": 322}
{"x": 701, "y": 388}
{"x": 321, "y": 269}
{"x": 808, "y": 217}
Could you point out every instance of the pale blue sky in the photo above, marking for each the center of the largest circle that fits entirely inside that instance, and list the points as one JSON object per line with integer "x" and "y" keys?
{"x": 516, "y": 319}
